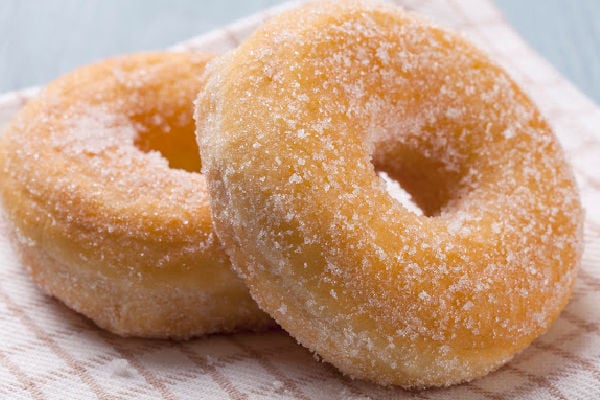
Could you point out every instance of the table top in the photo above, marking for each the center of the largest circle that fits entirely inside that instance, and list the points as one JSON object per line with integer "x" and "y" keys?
{"x": 40, "y": 40}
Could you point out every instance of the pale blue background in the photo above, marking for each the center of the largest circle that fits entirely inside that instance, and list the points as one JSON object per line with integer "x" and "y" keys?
{"x": 40, "y": 39}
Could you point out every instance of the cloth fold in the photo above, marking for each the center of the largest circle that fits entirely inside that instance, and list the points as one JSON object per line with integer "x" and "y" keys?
{"x": 50, "y": 352}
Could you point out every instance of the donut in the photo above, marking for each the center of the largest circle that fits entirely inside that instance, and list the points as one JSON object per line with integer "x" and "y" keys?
{"x": 293, "y": 128}
{"x": 100, "y": 183}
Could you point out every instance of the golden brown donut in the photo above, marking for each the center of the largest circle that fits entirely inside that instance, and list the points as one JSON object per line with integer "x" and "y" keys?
{"x": 293, "y": 127}
{"x": 99, "y": 180}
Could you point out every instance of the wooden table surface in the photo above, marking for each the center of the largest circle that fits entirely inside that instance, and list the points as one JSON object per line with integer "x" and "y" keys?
{"x": 41, "y": 39}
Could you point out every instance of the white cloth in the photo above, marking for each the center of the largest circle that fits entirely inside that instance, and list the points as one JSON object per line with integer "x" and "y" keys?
{"x": 50, "y": 352}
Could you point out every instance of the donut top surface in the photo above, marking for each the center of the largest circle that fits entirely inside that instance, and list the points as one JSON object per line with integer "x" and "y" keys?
{"x": 294, "y": 125}
{"x": 109, "y": 150}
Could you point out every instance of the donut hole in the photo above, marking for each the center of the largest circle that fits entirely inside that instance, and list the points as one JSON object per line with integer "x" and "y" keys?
{"x": 395, "y": 190}
{"x": 174, "y": 138}
{"x": 426, "y": 181}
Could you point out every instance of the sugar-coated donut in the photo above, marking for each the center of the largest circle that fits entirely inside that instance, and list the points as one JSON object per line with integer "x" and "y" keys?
{"x": 294, "y": 125}
{"x": 106, "y": 223}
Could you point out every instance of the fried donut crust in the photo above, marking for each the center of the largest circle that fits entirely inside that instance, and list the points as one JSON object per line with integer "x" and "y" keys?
{"x": 293, "y": 127}
{"x": 97, "y": 180}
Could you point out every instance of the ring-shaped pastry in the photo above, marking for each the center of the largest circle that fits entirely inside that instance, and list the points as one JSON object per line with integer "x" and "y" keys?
{"x": 294, "y": 125}
{"x": 99, "y": 177}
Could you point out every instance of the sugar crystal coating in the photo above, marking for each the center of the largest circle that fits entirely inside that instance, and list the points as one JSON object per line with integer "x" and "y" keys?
{"x": 97, "y": 179}
{"x": 293, "y": 127}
